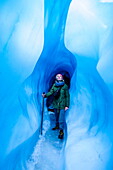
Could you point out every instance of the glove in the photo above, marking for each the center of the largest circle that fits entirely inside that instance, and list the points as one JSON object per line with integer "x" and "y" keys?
{"x": 43, "y": 95}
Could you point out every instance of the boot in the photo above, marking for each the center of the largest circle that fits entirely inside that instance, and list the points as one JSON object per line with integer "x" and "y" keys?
{"x": 56, "y": 127}
{"x": 61, "y": 134}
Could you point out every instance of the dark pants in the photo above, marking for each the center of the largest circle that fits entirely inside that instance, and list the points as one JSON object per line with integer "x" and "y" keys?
{"x": 60, "y": 117}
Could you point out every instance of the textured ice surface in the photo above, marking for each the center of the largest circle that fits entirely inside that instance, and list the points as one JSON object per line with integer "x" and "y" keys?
{"x": 47, "y": 154}
{"x": 37, "y": 40}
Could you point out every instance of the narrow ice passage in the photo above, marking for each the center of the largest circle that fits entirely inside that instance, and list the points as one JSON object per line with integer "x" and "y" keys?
{"x": 89, "y": 134}
{"x": 58, "y": 60}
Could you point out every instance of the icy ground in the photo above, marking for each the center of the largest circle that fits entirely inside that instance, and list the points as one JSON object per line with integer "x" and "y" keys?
{"x": 48, "y": 152}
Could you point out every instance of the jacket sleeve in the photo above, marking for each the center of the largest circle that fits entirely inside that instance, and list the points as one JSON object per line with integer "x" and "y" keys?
{"x": 67, "y": 96}
{"x": 50, "y": 92}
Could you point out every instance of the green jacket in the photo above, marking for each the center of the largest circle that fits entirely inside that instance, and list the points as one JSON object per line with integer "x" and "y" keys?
{"x": 64, "y": 98}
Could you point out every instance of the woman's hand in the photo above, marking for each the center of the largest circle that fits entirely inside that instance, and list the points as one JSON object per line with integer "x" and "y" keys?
{"x": 66, "y": 108}
{"x": 43, "y": 95}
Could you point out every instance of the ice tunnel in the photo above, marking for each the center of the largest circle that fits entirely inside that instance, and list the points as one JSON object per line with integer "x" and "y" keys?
{"x": 38, "y": 40}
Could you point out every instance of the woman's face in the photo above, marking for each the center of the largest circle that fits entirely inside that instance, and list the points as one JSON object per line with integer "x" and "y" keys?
{"x": 59, "y": 77}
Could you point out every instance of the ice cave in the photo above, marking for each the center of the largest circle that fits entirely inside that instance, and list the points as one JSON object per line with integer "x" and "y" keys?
{"x": 39, "y": 39}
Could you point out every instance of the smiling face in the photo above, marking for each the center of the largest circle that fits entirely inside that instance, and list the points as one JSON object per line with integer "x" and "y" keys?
{"x": 59, "y": 77}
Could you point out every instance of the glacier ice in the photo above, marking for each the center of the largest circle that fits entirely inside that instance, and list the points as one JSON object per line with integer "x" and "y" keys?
{"x": 77, "y": 39}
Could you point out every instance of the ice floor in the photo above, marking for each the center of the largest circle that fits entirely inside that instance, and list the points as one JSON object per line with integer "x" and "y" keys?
{"x": 48, "y": 152}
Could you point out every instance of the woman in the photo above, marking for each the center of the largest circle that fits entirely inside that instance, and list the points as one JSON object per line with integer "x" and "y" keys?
{"x": 60, "y": 103}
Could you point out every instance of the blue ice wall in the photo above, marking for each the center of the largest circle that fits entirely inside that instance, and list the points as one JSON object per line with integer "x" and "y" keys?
{"x": 19, "y": 50}
{"x": 34, "y": 46}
